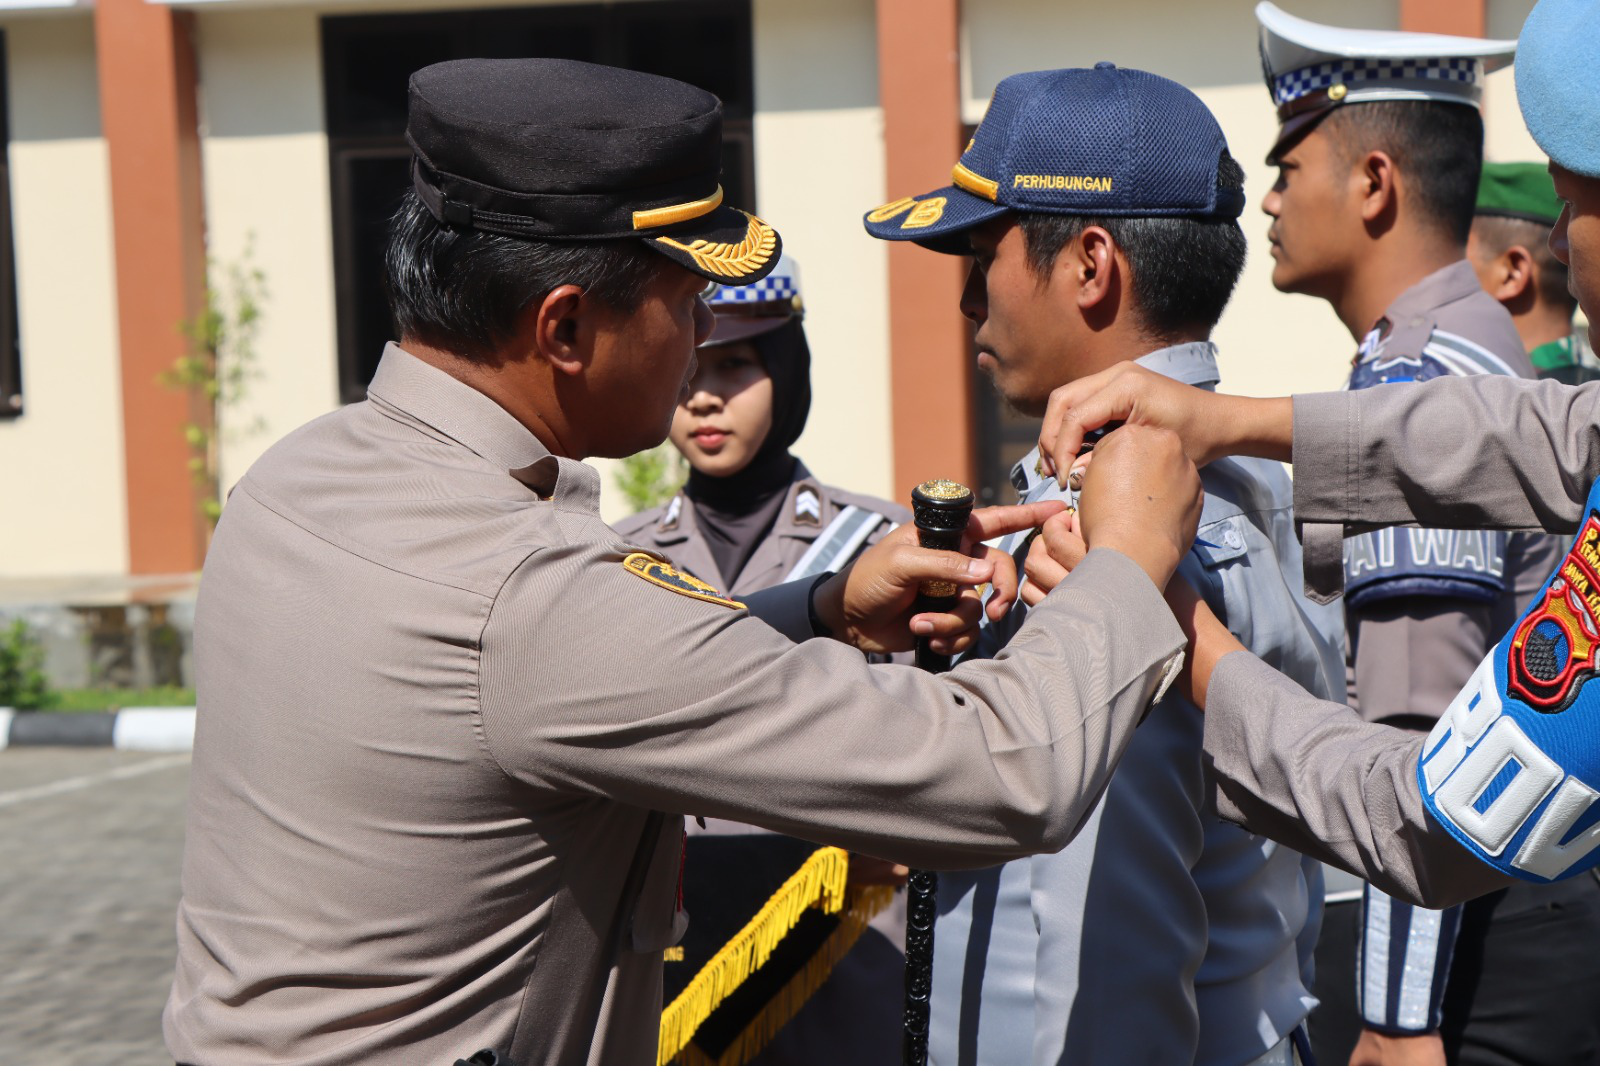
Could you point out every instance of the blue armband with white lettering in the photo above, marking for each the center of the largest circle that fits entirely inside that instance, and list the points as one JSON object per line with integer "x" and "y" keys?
{"x": 1462, "y": 564}
{"x": 1512, "y": 769}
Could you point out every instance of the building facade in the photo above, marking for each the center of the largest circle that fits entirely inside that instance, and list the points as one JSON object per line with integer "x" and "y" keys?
{"x": 143, "y": 141}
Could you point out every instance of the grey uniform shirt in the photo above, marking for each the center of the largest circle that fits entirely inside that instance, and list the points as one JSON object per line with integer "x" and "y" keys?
{"x": 1161, "y": 934}
{"x": 444, "y": 735}
{"x": 1488, "y": 451}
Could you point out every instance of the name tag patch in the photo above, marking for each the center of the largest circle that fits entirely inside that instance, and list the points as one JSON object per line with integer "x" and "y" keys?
{"x": 1512, "y": 769}
{"x": 657, "y": 572}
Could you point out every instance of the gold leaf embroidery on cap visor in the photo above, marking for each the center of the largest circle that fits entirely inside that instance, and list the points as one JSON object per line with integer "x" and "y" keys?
{"x": 732, "y": 260}
{"x": 660, "y": 573}
{"x": 675, "y": 213}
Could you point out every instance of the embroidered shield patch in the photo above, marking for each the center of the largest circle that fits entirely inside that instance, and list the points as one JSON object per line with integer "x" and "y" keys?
{"x": 1553, "y": 648}
{"x": 658, "y": 572}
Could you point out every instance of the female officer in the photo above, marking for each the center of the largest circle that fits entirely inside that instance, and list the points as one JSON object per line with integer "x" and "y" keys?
{"x": 752, "y": 516}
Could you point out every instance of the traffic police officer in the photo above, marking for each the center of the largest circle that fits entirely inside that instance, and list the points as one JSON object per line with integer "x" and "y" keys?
{"x": 450, "y": 719}
{"x": 752, "y": 516}
{"x": 1394, "y": 115}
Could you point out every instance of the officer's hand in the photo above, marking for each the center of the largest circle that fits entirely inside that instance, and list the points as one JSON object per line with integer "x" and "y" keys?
{"x": 1210, "y": 424}
{"x": 1054, "y": 554}
{"x": 1209, "y": 640}
{"x": 1141, "y": 496}
{"x": 1376, "y": 1049}
{"x": 869, "y": 603}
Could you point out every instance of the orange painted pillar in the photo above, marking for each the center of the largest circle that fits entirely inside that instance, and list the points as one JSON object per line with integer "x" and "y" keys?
{"x": 148, "y": 113}
{"x": 930, "y": 356}
{"x": 1462, "y": 18}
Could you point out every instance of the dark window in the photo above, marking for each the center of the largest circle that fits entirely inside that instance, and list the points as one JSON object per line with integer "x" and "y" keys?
{"x": 367, "y": 61}
{"x": 10, "y": 343}
{"x": 1003, "y": 435}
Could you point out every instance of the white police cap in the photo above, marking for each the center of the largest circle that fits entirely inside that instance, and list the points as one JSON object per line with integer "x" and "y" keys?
{"x": 745, "y": 311}
{"x": 1311, "y": 68}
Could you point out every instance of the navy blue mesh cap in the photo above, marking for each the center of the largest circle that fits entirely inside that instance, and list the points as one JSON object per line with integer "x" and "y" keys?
{"x": 1106, "y": 142}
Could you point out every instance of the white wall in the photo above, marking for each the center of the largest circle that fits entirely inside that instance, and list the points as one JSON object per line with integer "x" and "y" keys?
{"x": 61, "y": 462}
{"x": 265, "y": 159}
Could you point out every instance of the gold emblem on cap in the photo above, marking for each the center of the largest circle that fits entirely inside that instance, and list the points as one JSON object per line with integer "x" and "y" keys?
{"x": 732, "y": 260}
{"x": 1338, "y": 91}
{"x": 926, "y": 213}
{"x": 976, "y": 184}
{"x": 675, "y": 213}
{"x": 891, "y": 209}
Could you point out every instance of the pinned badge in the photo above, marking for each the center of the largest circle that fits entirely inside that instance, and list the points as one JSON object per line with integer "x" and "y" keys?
{"x": 669, "y": 520}
{"x": 658, "y": 572}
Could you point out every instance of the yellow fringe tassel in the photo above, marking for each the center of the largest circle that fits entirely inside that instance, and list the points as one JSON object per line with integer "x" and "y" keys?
{"x": 820, "y": 883}
{"x": 864, "y": 905}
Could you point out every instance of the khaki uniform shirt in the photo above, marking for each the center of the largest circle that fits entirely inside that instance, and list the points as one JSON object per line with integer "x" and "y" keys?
{"x": 809, "y": 509}
{"x": 444, "y": 733}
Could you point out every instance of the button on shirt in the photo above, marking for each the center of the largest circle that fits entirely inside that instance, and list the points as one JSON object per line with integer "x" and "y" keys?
{"x": 444, "y": 733}
{"x": 1161, "y": 934}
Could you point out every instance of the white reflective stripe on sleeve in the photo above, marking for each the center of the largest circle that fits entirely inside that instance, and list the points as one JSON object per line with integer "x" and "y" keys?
{"x": 1417, "y": 977}
{"x": 1375, "y": 960}
{"x": 837, "y": 544}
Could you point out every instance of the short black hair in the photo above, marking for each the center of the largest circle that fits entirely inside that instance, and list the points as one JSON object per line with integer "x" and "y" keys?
{"x": 1437, "y": 146}
{"x": 1496, "y": 233}
{"x": 1184, "y": 269}
{"x": 461, "y": 290}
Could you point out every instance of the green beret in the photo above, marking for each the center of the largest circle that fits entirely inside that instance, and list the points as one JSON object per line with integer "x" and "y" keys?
{"x": 1518, "y": 190}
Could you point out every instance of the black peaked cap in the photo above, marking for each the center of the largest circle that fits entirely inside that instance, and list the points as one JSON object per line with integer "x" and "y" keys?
{"x": 557, "y": 149}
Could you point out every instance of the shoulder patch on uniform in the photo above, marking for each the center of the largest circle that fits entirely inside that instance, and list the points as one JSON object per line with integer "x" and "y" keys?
{"x": 808, "y": 506}
{"x": 658, "y": 572}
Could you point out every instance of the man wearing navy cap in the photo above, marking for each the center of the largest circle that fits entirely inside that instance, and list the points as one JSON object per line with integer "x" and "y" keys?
{"x": 1510, "y": 249}
{"x": 451, "y": 719}
{"x": 1101, "y": 209}
{"x": 1507, "y": 786}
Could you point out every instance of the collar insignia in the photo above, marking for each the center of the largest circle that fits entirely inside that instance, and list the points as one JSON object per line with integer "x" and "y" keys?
{"x": 658, "y": 572}
{"x": 808, "y": 507}
{"x": 669, "y": 520}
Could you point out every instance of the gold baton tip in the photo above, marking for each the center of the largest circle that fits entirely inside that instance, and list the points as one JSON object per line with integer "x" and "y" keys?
{"x": 940, "y": 489}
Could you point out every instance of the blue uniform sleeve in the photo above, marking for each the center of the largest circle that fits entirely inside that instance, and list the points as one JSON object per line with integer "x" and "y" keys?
{"x": 1403, "y": 963}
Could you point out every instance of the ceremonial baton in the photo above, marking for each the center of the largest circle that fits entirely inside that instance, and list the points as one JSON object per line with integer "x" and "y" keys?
{"x": 940, "y": 510}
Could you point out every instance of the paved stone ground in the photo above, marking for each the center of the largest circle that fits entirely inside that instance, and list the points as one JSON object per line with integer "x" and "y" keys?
{"x": 90, "y": 842}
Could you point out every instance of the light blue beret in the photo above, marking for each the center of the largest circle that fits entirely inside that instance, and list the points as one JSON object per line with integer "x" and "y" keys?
{"x": 1558, "y": 81}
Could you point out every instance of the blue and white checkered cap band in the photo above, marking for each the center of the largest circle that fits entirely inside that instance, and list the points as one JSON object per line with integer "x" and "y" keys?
{"x": 773, "y": 288}
{"x": 1287, "y": 88}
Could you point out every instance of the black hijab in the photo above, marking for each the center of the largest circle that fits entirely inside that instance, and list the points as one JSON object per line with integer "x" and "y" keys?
{"x": 738, "y": 511}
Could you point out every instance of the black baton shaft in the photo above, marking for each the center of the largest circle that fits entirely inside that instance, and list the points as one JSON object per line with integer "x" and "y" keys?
{"x": 940, "y": 510}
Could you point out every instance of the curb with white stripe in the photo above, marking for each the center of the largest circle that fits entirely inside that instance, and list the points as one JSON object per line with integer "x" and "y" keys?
{"x": 130, "y": 729}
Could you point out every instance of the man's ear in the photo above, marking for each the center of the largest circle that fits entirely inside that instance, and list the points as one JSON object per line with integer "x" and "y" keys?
{"x": 561, "y": 330}
{"x": 1094, "y": 260}
{"x": 1513, "y": 274}
{"x": 1378, "y": 186}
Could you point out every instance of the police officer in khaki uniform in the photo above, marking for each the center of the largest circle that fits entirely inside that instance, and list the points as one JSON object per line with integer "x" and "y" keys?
{"x": 752, "y": 516}
{"x": 450, "y": 719}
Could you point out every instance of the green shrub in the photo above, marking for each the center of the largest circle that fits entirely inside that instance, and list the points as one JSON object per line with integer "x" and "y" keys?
{"x": 649, "y": 479}
{"x": 23, "y": 683}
